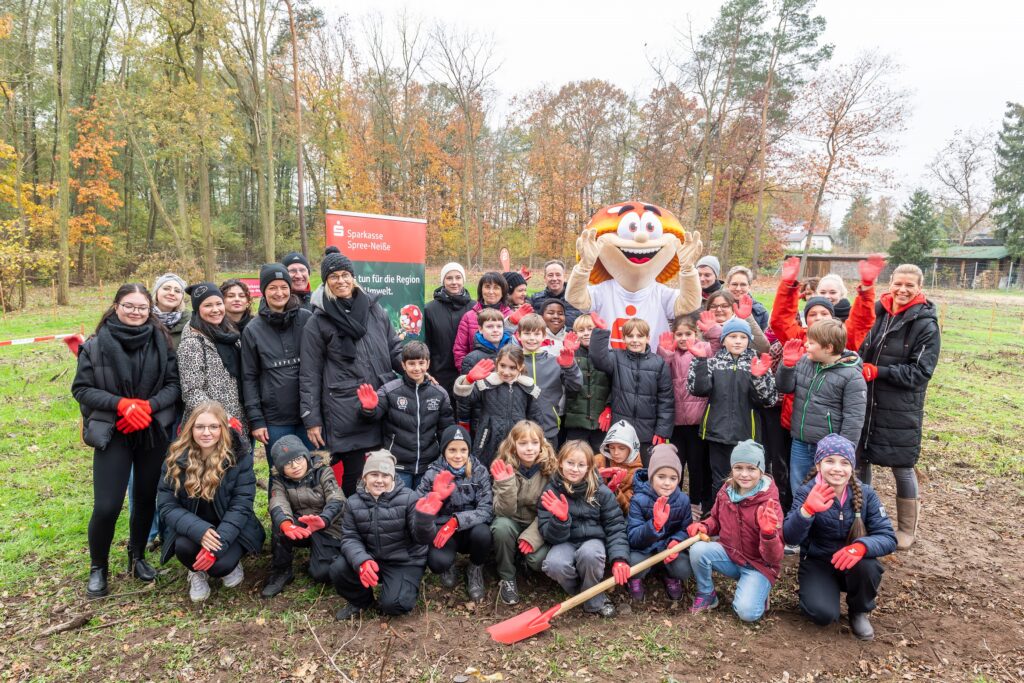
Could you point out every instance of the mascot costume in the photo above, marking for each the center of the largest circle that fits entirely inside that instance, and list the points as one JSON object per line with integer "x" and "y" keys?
{"x": 635, "y": 261}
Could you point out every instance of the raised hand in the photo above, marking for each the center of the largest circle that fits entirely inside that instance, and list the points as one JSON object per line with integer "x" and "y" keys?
{"x": 819, "y": 499}
{"x": 571, "y": 342}
{"x": 768, "y": 520}
{"x": 313, "y": 522}
{"x": 480, "y": 370}
{"x": 846, "y": 558}
{"x": 620, "y": 570}
{"x": 566, "y": 358}
{"x": 588, "y": 249}
{"x": 368, "y": 574}
{"x": 501, "y": 470}
{"x": 445, "y": 533}
{"x": 698, "y": 349}
{"x": 661, "y": 512}
{"x": 430, "y": 504}
{"x": 706, "y": 321}
{"x": 759, "y": 367}
{"x": 790, "y": 269}
{"x": 520, "y": 313}
{"x": 689, "y": 250}
{"x": 743, "y": 307}
{"x": 367, "y": 396}
{"x": 444, "y": 484}
{"x": 792, "y": 352}
{"x": 604, "y": 420}
{"x": 293, "y": 531}
{"x": 525, "y": 272}
{"x": 599, "y": 322}
{"x": 74, "y": 343}
{"x": 667, "y": 342}
{"x": 695, "y": 529}
{"x": 556, "y": 505}
{"x": 870, "y": 268}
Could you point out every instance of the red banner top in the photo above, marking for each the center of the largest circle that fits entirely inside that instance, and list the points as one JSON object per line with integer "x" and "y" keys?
{"x": 369, "y": 237}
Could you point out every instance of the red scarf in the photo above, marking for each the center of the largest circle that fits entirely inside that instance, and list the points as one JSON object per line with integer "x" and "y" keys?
{"x": 889, "y": 305}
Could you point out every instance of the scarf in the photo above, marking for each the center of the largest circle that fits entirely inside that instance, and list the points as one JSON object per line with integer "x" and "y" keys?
{"x": 528, "y": 472}
{"x": 459, "y": 472}
{"x": 453, "y": 301}
{"x": 280, "y": 320}
{"x": 168, "y": 319}
{"x": 506, "y": 337}
{"x": 349, "y": 317}
{"x": 735, "y": 496}
{"x": 889, "y": 305}
{"x": 227, "y": 347}
{"x": 130, "y": 349}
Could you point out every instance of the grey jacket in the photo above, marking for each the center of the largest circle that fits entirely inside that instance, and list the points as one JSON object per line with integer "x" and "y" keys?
{"x": 827, "y": 399}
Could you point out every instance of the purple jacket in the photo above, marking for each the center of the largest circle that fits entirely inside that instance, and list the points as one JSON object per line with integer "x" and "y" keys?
{"x": 689, "y": 409}
{"x": 467, "y": 328}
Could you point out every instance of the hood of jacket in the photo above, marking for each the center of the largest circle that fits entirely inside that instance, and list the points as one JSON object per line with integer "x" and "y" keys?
{"x": 623, "y": 433}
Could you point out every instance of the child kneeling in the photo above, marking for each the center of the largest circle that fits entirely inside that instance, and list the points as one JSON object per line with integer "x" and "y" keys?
{"x": 464, "y": 520}
{"x": 383, "y": 540}
{"x": 746, "y": 518}
{"x": 842, "y": 530}
{"x": 659, "y": 513}
{"x": 305, "y": 511}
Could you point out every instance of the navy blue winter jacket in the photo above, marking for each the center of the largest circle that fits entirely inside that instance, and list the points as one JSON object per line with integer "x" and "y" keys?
{"x": 640, "y": 521}
{"x": 825, "y": 533}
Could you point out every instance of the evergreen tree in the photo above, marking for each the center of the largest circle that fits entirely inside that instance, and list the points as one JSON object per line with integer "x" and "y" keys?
{"x": 1009, "y": 179}
{"x": 917, "y": 231}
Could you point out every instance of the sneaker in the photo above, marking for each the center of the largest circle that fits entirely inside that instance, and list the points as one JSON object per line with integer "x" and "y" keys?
{"x": 450, "y": 577}
{"x": 674, "y": 588}
{"x": 791, "y": 550}
{"x": 198, "y": 586}
{"x": 607, "y": 610}
{"x": 276, "y": 583}
{"x": 508, "y": 592}
{"x": 636, "y": 589}
{"x": 703, "y": 603}
{"x": 234, "y": 577}
{"x": 861, "y": 626}
{"x": 349, "y": 611}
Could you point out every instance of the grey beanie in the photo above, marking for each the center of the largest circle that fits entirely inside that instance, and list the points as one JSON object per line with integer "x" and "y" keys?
{"x": 750, "y": 452}
{"x": 286, "y": 449}
{"x": 712, "y": 263}
{"x": 169, "y": 277}
{"x": 379, "y": 461}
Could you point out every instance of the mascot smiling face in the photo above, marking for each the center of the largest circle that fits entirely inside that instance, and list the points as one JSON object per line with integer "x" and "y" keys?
{"x": 637, "y": 244}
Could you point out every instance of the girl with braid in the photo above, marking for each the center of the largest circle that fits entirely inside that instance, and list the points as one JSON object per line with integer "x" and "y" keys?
{"x": 842, "y": 530}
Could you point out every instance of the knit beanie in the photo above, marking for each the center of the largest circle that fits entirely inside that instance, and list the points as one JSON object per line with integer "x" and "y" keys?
{"x": 270, "y": 272}
{"x": 735, "y": 324}
{"x": 664, "y": 455}
{"x": 820, "y": 301}
{"x": 165, "y": 278}
{"x": 449, "y": 267}
{"x": 334, "y": 261}
{"x": 454, "y": 433}
{"x": 835, "y": 444}
{"x": 380, "y": 461}
{"x": 286, "y": 449}
{"x": 750, "y": 452}
{"x": 513, "y": 279}
{"x": 712, "y": 263}
{"x": 294, "y": 257}
{"x": 201, "y": 291}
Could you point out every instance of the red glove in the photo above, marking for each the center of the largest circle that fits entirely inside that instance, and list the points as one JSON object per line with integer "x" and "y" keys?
{"x": 845, "y": 558}
{"x": 743, "y": 307}
{"x": 759, "y": 367}
{"x": 698, "y": 349}
{"x": 368, "y": 574}
{"x": 614, "y": 475}
{"x": 792, "y": 352}
{"x": 74, "y": 343}
{"x": 525, "y": 272}
{"x": 204, "y": 560}
{"x": 667, "y": 342}
{"x": 599, "y": 322}
{"x": 661, "y": 512}
{"x": 604, "y": 420}
{"x": 294, "y": 532}
{"x": 657, "y": 440}
{"x": 571, "y": 342}
{"x": 790, "y": 269}
{"x": 696, "y": 528}
{"x": 501, "y": 471}
{"x": 235, "y": 424}
{"x": 524, "y": 547}
{"x": 672, "y": 558}
{"x": 445, "y": 533}
{"x": 520, "y": 313}
{"x": 870, "y": 268}
{"x": 313, "y": 522}
{"x": 430, "y": 504}
{"x": 566, "y": 358}
{"x": 145, "y": 406}
{"x": 125, "y": 427}
{"x": 819, "y": 499}
{"x": 367, "y": 396}
{"x": 620, "y": 570}
{"x": 556, "y": 505}
{"x": 444, "y": 484}
{"x": 125, "y": 405}
{"x": 870, "y": 372}
{"x": 480, "y": 370}
{"x": 706, "y": 321}
{"x": 768, "y": 520}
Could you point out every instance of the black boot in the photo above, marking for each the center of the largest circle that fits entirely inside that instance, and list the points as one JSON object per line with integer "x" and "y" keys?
{"x": 97, "y": 586}
{"x": 276, "y": 582}
{"x": 137, "y": 565}
{"x": 475, "y": 582}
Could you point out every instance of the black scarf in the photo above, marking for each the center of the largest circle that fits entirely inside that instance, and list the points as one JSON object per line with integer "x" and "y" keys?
{"x": 349, "y": 317}
{"x": 226, "y": 343}
{"x": 455, "y": 301}
{"x": 528, "y": 472}
{"x": 842, "y": 309}
{"x": 130, "y": 349}
{"x": 280, "y": 320}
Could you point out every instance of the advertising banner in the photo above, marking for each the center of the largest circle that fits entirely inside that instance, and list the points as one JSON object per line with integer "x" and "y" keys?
{"x": 388, "y": 254}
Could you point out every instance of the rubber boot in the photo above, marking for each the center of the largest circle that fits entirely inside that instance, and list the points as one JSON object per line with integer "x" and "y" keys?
{"x": 907, "y": 512}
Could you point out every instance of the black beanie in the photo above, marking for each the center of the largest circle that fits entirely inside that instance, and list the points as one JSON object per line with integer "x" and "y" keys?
{"x": 270, "y": 272}
{"x": 454, "y": 433}
{"x": 286, "y": 449}
{"x": 820, "y": 301}
{"x": 513, "y": 279}
{"x": 294, "y": 257}
{"x": 201, "y": 291}
{"x": 334, "y": 261}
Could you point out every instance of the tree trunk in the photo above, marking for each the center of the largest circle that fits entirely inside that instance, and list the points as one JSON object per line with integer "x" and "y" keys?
{"x": 304, "y": 241}
{"x": 269, "y": 228}
{"x": 205, "y": 223}
{"x": 64, "y": 154}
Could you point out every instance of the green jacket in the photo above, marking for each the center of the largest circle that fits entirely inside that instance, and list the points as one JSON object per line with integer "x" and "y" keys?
{"x": 583, "y": 407}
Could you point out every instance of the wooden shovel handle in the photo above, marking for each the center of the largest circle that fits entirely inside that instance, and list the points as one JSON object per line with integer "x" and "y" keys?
{"x": 580, "y": 598}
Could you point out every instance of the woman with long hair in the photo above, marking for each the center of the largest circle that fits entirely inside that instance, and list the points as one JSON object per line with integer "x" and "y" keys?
{"x": 237, "y": 303}
{"x": 206, "y": 495}
{"x": 127, "y": 387}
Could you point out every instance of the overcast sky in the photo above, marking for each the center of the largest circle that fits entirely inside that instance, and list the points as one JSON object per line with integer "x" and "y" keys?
{"x": 962, "y": 60}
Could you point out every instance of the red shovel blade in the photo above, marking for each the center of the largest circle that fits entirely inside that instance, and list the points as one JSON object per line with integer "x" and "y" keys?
{"x": 522, "y": 626}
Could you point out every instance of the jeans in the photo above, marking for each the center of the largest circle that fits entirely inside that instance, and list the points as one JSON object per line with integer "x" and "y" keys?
{"x": 275, "y": 432}
{"x": 411, "y": 481}
{"x": 752, "y": 587}
{"x": 801, "y": 461}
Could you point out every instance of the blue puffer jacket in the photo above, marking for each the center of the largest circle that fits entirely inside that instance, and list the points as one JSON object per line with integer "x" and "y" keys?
{"x": 640, "y": 525}
{"x": 825, "y": 533}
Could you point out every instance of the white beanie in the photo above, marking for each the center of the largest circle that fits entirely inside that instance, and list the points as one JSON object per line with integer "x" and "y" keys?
{"x": 448, "y": 267}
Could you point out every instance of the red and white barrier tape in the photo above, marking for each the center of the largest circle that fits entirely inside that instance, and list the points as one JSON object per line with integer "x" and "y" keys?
{"x": 33, "y": 340}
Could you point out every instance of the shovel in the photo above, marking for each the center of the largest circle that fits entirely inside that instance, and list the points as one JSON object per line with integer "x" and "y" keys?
{"x": 532, "y": 622}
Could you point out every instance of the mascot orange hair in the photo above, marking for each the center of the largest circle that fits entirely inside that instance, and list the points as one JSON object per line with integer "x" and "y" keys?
{"x": 634, "y": 260}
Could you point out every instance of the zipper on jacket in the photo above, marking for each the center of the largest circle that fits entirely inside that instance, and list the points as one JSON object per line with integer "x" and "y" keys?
{"x": 416, "y": 471}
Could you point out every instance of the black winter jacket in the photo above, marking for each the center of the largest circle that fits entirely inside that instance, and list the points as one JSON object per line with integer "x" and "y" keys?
{"x": 317, "y": 493}
{"x": 905, "y": 347}
{"x": 600, "y": 519}
{"x": 471, "y": 502}
{"x": 270, "y": 367}
{"x": 584, "y": 407}
{"x": 412, "y": 418}
{"x": 641, "y": 387}
{"x": 233, "y": 502}
{"x": 827, "y": 399}
{"x": 500, "y": 406}
{"x": 386, "y": 529}
{"x": 825, "y": 533}
{"x": 328, "y": 382}
{"x": 440, "y": 323}
{"x": 733, "y": 395}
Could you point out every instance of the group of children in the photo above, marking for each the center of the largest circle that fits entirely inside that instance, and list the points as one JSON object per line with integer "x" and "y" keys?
{"x": 557, "y": 456}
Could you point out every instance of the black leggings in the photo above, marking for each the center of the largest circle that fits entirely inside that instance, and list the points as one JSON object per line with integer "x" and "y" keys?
{"x": 693, "y": 453}
{"x": 353, "y": 462}
{"x": 777, "y": 445}
{"x": 476, "y": 540}
{"x": 111, "y": 468}
{"x": 185, "y": 549}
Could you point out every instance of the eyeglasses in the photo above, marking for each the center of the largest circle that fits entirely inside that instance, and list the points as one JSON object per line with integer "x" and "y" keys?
{"x": 206, "y": 428}
{"x": 342, "y": 275}
{"x": 719, "y": 307}
{"x": 130, "y": 308}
